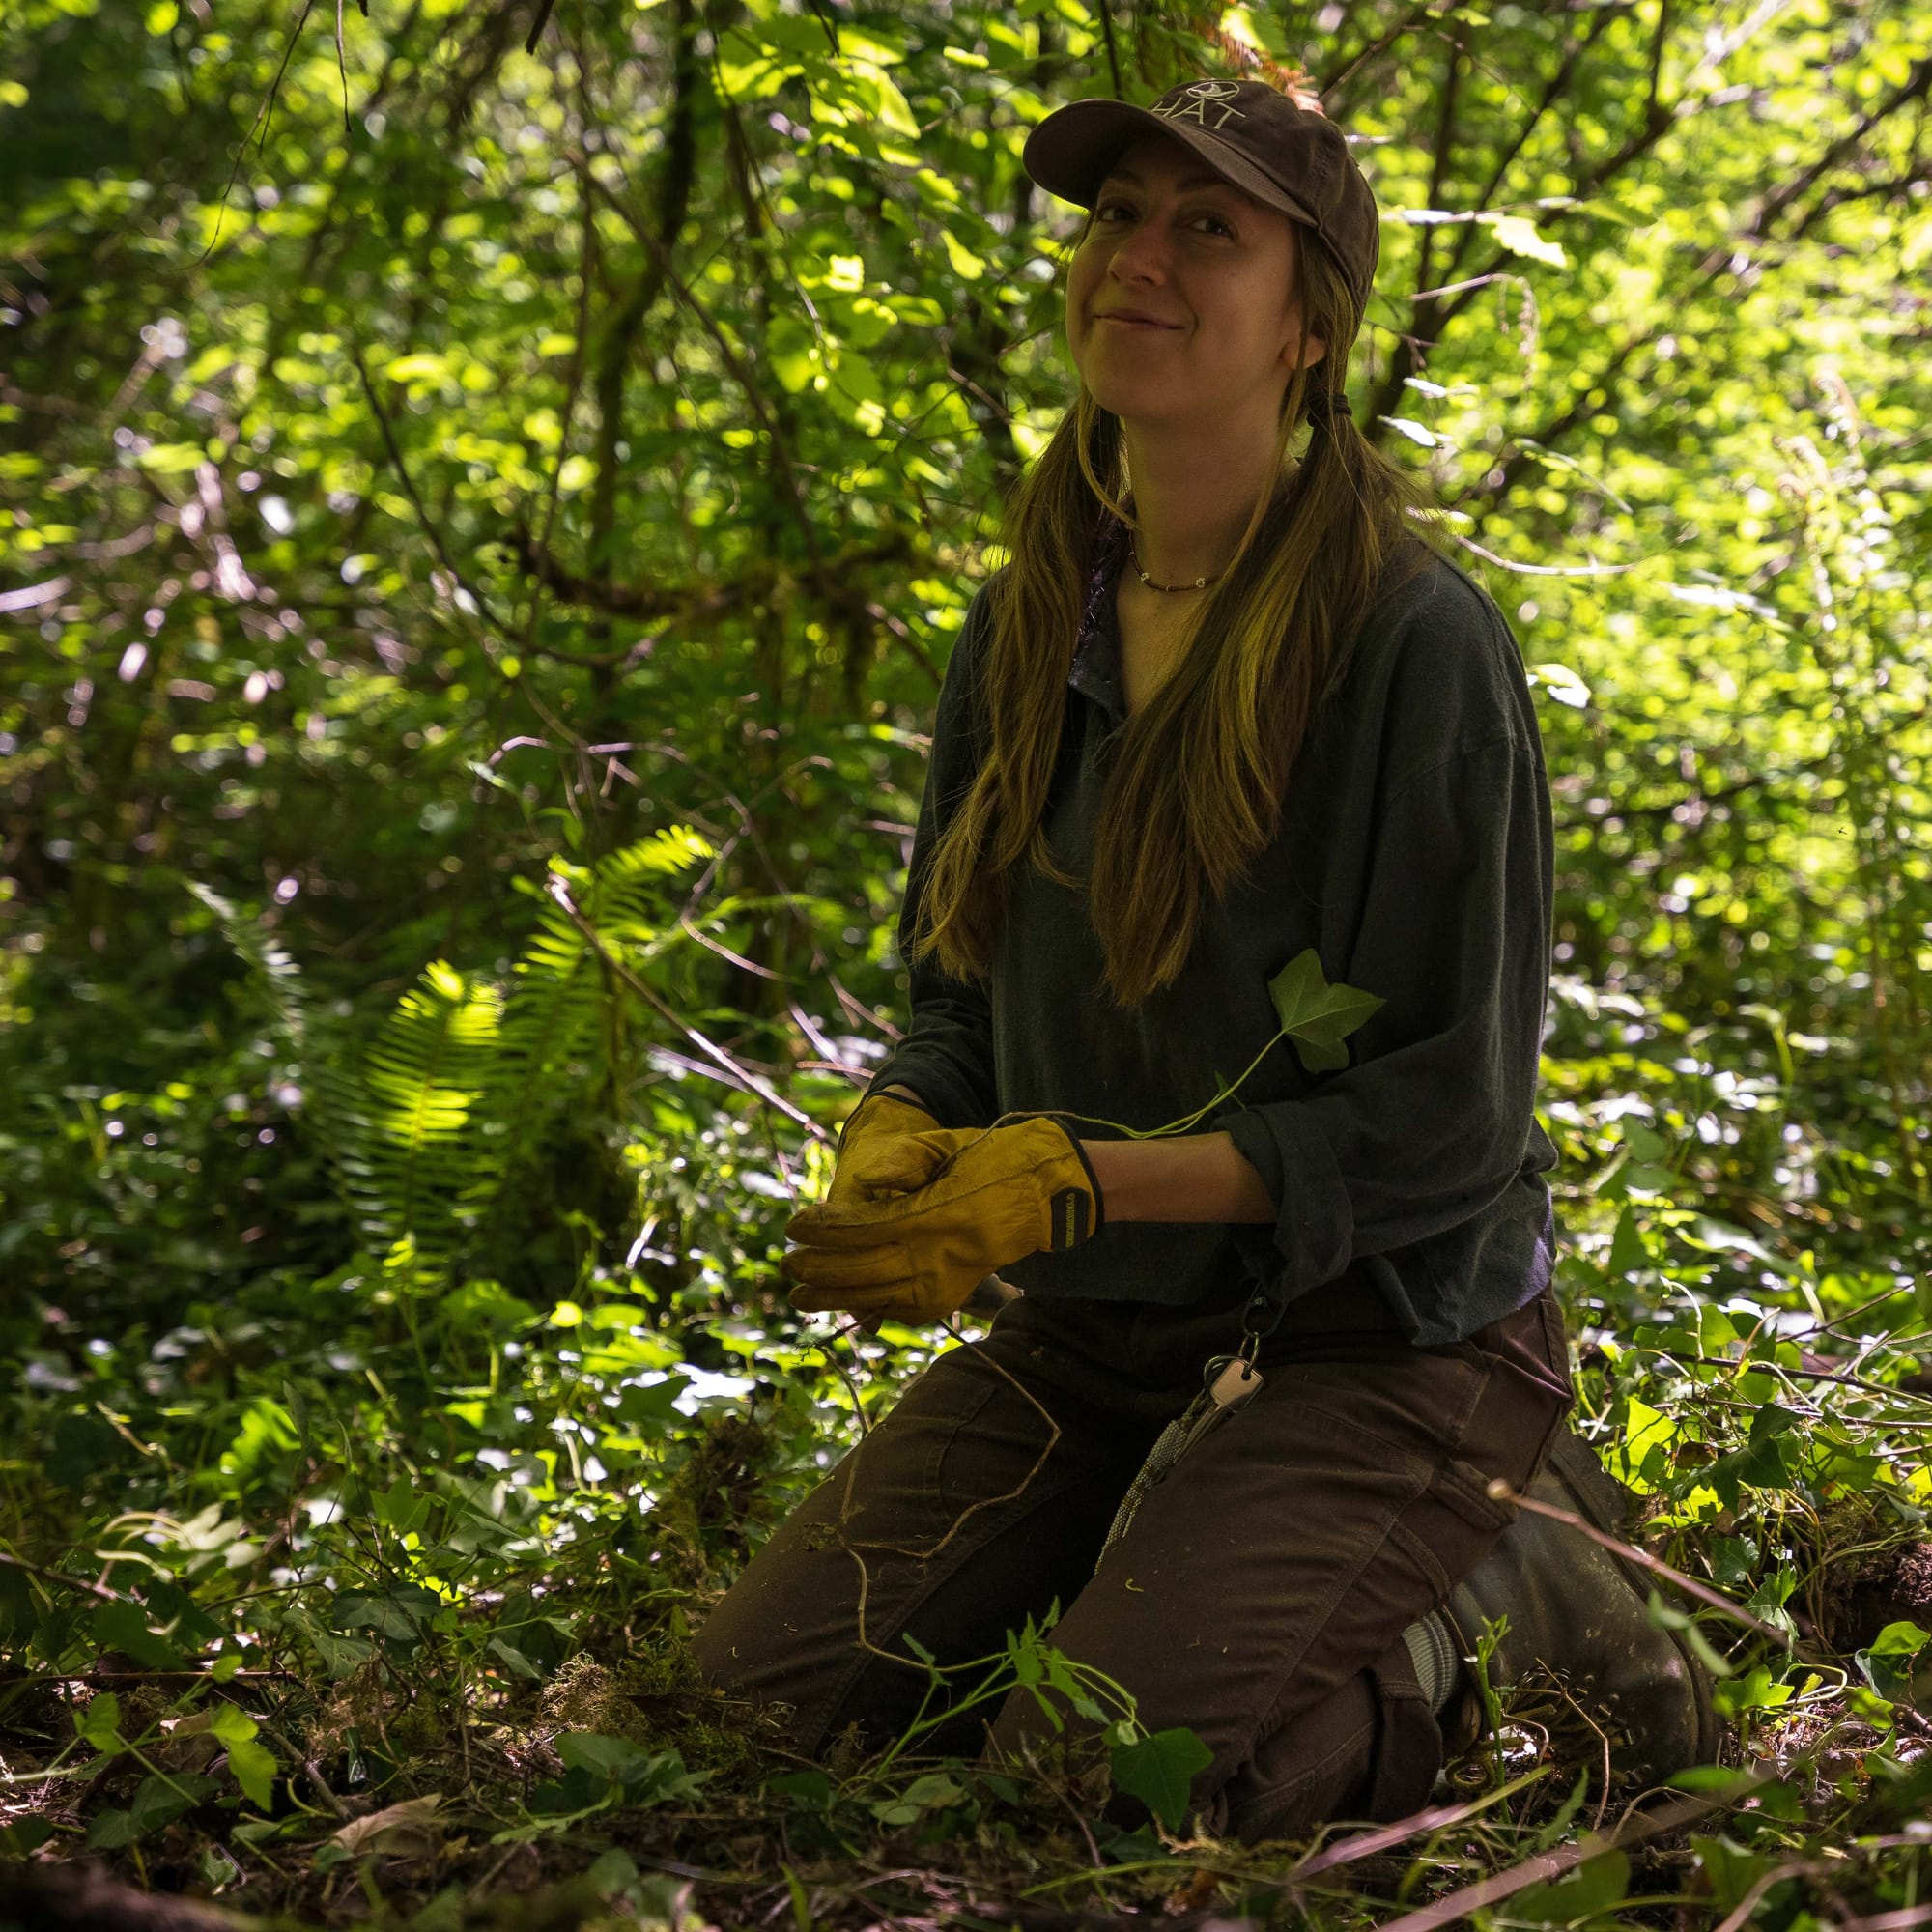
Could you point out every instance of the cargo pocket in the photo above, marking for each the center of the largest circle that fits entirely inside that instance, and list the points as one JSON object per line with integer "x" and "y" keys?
{"x": 954, "y": 1474}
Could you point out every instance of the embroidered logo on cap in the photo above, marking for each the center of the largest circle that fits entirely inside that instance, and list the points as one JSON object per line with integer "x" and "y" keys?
{"x": 1194, "y": 103}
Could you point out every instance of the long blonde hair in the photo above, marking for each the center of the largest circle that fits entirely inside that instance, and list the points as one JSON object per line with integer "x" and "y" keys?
{"x": 1197, "y": 782}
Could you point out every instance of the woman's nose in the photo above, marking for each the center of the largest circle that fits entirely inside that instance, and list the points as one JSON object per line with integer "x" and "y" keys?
{"x": 1141, "y": 255}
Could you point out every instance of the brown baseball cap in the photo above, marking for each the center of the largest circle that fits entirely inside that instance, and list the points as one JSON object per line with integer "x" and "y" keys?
{"x": 1287, "y": 157}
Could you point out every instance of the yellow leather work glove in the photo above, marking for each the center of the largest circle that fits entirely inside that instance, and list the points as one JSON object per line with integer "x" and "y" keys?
{"x": 871, "y": 1159}
{"x": 1003, "y": 1193}
{"x": 890, "y": 1145}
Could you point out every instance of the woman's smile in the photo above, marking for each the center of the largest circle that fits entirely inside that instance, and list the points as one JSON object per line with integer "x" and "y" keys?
{"x": 1133, "y": 320}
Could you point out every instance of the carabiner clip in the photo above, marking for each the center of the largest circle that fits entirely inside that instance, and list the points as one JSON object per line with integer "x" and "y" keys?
{"x": 1255, "y": 1331}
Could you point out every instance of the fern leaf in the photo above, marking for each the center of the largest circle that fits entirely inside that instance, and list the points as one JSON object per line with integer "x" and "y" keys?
{"x": 558, "y": 994}
{"x": 425, "y": 1072}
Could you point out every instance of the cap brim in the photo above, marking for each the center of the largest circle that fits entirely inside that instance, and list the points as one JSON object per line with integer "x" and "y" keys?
{"x": 1070, "y": 152}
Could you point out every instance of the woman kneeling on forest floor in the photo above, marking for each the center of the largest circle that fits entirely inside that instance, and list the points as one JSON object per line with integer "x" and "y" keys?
{"x": 1225, "y": 712}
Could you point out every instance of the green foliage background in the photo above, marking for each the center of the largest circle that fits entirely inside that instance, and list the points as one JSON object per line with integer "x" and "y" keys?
{"x": 484, "y": 529}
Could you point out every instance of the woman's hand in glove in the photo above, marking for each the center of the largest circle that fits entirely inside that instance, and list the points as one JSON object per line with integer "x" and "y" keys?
{"x": 1001, "y": 1194}
{"x": 886, "y": 1148}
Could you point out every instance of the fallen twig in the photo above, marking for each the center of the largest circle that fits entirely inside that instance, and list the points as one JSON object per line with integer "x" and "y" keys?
{"x": 1669, "y": 1816}
{"x": 1385, "y": 1837}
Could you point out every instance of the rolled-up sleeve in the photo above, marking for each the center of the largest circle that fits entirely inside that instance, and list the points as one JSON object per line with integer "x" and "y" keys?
{"x": 947, "y": 1055}
{"x": 1432, "y": 1120}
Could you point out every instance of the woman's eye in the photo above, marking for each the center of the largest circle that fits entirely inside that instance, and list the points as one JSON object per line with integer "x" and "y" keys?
{"x": 1105, "y": 211}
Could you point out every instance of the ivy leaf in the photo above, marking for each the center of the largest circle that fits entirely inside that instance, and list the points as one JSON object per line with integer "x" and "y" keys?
{"x": 651, "y": 1405}
{"x": 1629, "y": 1250}
{"x": 254, "y": 1766}
{"x": 608, "y": 1757}
{"x": 1887, "y": 1667}
{"x": 644, "y": 1778}
{"x": 250, "y": 1761}
{"x": 232, "y": 1724}
{"x": 110, "y": 1830}
{"x": 1158, "y": 1771}
{"x": 1315, "y": 1015}
{"x": 1900, "y": 1639}
{"x": 98, "y": 1723}
{"x": 1754, "y": 1690}
{"x": 401, "y": 1506}
{"x": 123, "y": 1627}
{"x": 161, "y": 1800}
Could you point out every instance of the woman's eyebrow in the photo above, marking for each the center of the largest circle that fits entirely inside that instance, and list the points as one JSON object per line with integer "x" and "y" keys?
{"x": 1192, "y": 182}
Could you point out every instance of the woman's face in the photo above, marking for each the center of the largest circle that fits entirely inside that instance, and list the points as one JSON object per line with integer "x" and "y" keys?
{"x": 1181, "y": 299}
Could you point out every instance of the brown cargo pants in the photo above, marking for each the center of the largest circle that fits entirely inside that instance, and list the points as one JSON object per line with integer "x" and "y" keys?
{"x": 1260, "y": 1594}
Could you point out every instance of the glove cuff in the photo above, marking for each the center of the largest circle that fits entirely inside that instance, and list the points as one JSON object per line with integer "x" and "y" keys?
{"x": 1076, "y": 1214}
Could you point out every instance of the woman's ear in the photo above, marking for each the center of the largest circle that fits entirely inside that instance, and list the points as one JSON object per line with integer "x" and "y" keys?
{"x": 1299, "y": 350}
{"x": 1311, "y": 350}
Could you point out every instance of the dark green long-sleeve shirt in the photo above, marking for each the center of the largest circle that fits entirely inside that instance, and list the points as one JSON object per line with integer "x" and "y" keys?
{"x": 1415, "y": 854}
